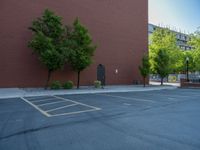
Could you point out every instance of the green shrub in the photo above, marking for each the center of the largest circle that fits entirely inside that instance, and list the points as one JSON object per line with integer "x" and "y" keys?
{"x": 97, "y": 84}
{"x": 172, "y": 78}
{"x": 55, "y": 85}
{"x": 68, "y": 85}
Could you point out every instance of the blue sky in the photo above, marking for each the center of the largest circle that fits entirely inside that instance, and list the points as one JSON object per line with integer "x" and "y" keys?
{"x": 183, "y": 15}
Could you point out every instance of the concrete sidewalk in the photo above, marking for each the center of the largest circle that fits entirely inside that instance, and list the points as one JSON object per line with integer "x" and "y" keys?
{"x": 23, "y": 92}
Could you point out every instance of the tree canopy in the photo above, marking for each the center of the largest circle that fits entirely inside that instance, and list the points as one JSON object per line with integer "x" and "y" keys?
{"x": 195, "y": 43}
{"x": 48, "y": 41}
{"x": 166, "y": 40}
{"x": 81, "y": 48}
{"x": 56, "y": 44}
{"x": 145, "y": 67}
{"x": 162, "y": 61}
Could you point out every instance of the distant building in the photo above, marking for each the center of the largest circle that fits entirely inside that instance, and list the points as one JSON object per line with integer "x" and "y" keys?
{"x": 181, "y": 38}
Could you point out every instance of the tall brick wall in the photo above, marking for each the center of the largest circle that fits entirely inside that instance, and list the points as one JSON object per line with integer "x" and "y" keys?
{"x": 118, "y": 27}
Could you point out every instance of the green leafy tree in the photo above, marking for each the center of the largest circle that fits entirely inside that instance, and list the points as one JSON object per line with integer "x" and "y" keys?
{"x": 187, "y": 54}
{"x": 162, "y": 64}
{"x": 195, "y": 43}
{"x": 165, "y": 39}
{"x": 177, "y": 66}
{"x": 48, "y": 41}
{"x": 80, "y": 47}
{"x": 145, "y": 68}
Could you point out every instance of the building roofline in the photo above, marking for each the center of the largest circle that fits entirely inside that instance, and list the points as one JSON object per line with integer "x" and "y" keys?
{"x": 169, "y": 29}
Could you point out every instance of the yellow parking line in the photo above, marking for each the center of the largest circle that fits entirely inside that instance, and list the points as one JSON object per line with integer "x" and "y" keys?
{"x": 127, "y": 98}
{"x": 51, "y": 103}
{"x": 40, "y": 110}
{"x": 42, "y": 100}
{"x": 61, "y": 107}
{"x": 66, "y": 99}
{"x": 76, "y": 112}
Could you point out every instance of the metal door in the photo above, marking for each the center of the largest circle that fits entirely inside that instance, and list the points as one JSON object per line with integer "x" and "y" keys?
{"x": 101, "y": 74}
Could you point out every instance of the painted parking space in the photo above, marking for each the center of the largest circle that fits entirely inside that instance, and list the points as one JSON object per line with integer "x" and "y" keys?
{"x": 52, "y": 106}
{"x": 158, "y": 119}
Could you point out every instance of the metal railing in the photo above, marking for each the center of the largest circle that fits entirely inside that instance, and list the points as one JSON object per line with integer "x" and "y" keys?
{"x": 194, "y": 80}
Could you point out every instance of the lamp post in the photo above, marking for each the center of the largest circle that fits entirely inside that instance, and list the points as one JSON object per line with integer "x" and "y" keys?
{"x": 187, "y": 68}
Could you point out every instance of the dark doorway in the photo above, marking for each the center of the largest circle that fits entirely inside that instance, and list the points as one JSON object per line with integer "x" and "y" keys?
{"x": 101, "y": 74}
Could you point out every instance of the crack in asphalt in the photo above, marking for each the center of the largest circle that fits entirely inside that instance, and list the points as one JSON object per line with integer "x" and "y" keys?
{"x": 59, "y": 125}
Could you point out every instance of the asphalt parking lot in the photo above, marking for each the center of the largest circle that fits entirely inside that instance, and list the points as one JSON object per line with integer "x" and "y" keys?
{"x": 153, "y": 120}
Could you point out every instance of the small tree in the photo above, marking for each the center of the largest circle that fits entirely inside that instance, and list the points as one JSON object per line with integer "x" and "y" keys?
{"x": 145, "y": 68}
{"x": 162, "y": 64}
{"x": 80, "y": 47}
{"x": 47, "y": 42}
{"x": 195, "y": 43}
{"x": 165, "y": 39}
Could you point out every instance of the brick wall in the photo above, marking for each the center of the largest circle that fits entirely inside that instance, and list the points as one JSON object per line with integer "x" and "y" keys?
{"x": 119, "y": 28}
{"x": 185, "y": 84}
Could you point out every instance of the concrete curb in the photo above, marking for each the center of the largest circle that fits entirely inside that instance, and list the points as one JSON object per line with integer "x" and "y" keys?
{"x": 17, "y": 92}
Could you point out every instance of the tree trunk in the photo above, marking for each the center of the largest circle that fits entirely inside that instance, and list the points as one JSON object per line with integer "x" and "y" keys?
{"x": 48, "y": 78}
{"x": 78, "y": 80}
{"x": 144, "y": 83}
{"x": 162, "y": 81}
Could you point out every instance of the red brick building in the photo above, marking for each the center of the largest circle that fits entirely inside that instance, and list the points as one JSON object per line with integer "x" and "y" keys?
{"x": 118, "y": 27}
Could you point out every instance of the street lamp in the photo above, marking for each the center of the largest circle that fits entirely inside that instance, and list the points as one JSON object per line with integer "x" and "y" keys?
{"x": 187, "y": 68}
